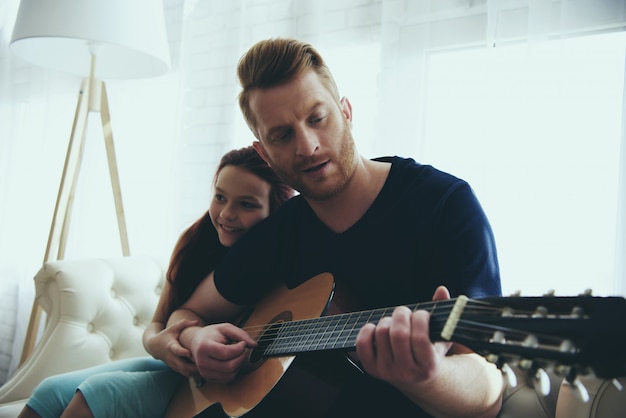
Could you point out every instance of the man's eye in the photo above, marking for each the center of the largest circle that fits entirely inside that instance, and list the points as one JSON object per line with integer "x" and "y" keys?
{"x": 317, "y": 119}
{"x": 281, "y": 137}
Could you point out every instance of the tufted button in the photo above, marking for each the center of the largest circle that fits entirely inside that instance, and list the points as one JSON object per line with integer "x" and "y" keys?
{"x": 113, "y": 293}
{"x": 90, "y": 327}
{"x": 158, "y": 289}
{"x": 135, "y": 321}
{"x": 112, "y": 353}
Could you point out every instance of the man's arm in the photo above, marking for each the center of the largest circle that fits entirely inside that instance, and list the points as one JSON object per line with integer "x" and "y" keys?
{"x": 445, "y": 380}
{"x": 466, "y": 386}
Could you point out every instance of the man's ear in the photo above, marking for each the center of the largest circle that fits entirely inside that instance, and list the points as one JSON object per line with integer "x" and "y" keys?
{"x": 346, "y": 108}
{"x": 259, "y": 149}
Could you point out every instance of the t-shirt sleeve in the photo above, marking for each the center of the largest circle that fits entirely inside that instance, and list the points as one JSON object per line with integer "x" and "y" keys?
{"x": 468, "y": 243}
{"x": 249, "y": 269}
{"x": 263, "y": 258}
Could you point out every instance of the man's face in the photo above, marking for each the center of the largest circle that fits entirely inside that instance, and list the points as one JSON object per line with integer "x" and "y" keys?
{"x": 305, "y": 136}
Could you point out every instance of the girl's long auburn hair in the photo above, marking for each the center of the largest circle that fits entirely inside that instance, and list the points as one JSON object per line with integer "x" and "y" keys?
{"x": 198, "y": 250}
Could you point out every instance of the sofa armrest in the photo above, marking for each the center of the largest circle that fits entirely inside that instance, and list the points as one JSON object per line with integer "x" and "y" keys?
{"x": 96, "y": 311}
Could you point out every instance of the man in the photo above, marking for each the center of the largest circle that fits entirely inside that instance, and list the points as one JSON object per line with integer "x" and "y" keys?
{"x": 390, "y": 230}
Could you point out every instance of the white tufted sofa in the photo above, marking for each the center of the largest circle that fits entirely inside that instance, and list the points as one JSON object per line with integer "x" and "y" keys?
{"x": 97, "y": 310}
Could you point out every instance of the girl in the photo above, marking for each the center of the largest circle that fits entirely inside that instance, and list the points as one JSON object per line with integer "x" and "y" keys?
{"x": 246, "y": 190}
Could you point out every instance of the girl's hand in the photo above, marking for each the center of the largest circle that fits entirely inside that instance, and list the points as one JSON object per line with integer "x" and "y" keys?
{"x": 165, "y": 346}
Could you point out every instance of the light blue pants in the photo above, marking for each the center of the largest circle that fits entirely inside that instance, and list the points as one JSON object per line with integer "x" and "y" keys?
{"x": 132, "y": 388}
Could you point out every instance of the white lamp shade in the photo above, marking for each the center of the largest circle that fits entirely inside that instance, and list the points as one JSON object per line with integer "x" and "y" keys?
{"x": 129, "y": 36}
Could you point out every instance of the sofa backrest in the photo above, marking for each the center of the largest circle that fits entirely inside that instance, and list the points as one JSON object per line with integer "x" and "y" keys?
{"x": 96, "y": 311}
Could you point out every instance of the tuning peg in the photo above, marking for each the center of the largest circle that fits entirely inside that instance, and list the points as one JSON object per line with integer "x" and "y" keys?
{"x": 617, "y": 384}
{"x": 509, "y": 375}
{"x": 517, "y": 293}
{"x": 525, "y": 364}
{"x": 577, "y": 312}
{"x": 550, "y": 292}
{"x": 579, "y": 389}
{"x": 498, "y": 337}
{"x": 587, "y": 292}
{"x": 507, "y": 312}
{"x": 542, "y": 382}
{"x": 562, "y": 370}
{"x": 567, "y": 346}
{"x": 492, "y": 358}
{"x": 540, "y": 312}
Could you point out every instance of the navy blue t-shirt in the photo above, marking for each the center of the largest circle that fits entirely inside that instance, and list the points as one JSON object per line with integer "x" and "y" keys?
{"x": 426, "y": 228}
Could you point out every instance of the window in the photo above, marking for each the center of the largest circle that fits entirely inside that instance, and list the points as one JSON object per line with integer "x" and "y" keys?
{"x": 536, "y": 130}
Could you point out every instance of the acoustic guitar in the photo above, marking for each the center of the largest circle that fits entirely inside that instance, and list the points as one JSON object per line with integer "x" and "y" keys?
{"x": 570, "y": 335}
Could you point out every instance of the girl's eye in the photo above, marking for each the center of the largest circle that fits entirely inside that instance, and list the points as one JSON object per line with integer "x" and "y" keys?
{"x": 219, "y": 198}
{"x": 249, "y": 205}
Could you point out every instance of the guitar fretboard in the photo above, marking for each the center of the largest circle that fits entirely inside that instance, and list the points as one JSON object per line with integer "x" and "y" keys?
{"x": 336, "y": 332}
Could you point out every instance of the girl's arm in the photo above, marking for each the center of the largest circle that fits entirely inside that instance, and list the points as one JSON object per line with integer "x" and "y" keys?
{"x": 161, "y": 341}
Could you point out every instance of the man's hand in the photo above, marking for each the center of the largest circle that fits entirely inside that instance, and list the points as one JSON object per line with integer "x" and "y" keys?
{"x": 398, "y": 349}
{"x": 219, "y": 351}
{"x": 165, "y": 346}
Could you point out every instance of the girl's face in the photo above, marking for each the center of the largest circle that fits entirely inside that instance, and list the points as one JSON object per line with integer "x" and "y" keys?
{"x": 241, "y": 199}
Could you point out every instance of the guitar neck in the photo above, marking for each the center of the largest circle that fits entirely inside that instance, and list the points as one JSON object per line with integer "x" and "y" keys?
{"x": 336, "y": 332}
{"x": 573, "y": 331}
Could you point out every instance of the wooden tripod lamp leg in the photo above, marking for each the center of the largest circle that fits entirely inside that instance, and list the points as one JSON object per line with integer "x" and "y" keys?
{"x": 60, "y": 220}
{"x": 113, "y": 172}
{"x": 91, "y": 91}
{"x": 62, "y": 210}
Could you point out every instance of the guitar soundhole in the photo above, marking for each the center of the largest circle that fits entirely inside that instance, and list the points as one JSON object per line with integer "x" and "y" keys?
{"x": 267, "y": 337}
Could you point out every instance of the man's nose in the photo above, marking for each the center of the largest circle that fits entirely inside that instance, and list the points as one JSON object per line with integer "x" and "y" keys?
{"x": 308, "y": 143}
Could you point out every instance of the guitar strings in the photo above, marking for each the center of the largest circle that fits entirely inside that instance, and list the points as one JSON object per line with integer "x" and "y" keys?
{"x": 340, "y": 331}
{"x": 322, "y": 322}
{"x": 479, "y": 308}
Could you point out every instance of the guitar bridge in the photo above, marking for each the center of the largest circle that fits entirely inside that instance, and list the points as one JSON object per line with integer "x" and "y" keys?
{"x": 453, "y": 318}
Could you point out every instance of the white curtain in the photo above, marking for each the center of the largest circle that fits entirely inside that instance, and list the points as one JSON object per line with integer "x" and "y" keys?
{"x": 412, "y": 70}
{"x": 36, "y": 114}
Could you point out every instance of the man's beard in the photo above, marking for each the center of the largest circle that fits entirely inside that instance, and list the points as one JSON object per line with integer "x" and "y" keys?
{"x": 344, "y": 160}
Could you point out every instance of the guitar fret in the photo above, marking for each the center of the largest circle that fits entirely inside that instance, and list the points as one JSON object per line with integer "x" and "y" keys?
{"x": 338, "y": 341}
{"x": 322, "y": 337}
{"x": 294, "y": 337}
{"x": 301, "y": 340}
{"x": 356, "y": 321}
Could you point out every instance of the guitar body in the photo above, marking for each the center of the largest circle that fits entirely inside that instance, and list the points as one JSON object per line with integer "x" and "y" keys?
{"x": 309, "y": 300}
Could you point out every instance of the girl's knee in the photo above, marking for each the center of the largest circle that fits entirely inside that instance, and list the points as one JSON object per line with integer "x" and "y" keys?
{"x": 54, "y": 388}
{"x": 77, "y": 408}
{"x": 51, "y": 396}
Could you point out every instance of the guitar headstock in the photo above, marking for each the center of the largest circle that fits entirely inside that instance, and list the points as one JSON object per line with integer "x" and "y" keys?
{"x": 570, "y": 335}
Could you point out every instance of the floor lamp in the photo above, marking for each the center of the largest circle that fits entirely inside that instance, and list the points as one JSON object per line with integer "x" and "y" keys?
{"x": 96, "y": 39}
